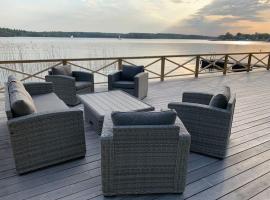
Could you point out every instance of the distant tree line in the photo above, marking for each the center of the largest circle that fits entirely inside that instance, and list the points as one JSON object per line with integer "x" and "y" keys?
{"x": 6, "y": 32}
{"x": 242, "y": 37}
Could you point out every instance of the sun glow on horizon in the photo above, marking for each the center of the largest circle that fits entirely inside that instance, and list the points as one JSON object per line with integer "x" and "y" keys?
{"x": 206, "y": 17}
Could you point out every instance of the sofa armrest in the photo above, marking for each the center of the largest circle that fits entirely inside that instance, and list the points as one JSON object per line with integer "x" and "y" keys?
{"x": 196, "y": 116}
{"x": 141, "y": 85}
{"x": 45, "y": 121}
{"x": 83, "y": 76}
{"x": 7, "y": 103}
{"x": 35, "y": 88}
{"x": 116, "y": 76}
{"x": 47, "y": 138}
{"x": 197, "y": 97}
{"x": 47, "y": 124}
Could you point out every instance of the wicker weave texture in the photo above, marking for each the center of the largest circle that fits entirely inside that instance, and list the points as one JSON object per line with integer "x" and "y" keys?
{"x": 210, "y": 128}
{"x": 144, "y": 159}
{"x": 141, "y": 84}
{"x": 45, "y": 138}
{"x": 64, "y": 86}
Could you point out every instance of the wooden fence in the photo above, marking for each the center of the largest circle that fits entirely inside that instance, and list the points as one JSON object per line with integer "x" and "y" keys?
{"x": 191, "y": 63}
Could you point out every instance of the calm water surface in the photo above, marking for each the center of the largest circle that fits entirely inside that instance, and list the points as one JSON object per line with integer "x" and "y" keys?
{"x": 44, "y": 48}
{"x": 33, "y": 48}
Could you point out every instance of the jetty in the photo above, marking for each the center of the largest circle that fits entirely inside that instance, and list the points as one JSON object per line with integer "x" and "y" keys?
{"x": 243, "y": 174}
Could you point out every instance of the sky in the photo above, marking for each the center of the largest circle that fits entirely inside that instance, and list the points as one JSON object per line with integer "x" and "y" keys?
{"x": 204, "y": 17}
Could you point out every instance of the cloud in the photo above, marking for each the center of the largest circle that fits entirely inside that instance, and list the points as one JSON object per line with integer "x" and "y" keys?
{"x": 225, "y": 15}
{"x": 208, "y": 17}
{"x": 97, "y": 15}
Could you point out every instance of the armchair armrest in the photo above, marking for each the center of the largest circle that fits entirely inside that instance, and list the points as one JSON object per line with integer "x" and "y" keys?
{"x": 143, "y": 76}
{"x": 195, "y": 116}
{"x": 197, "y": 97}
{"x": 141, "y": 84}
{"x": 107, "y": 155}
{"x": 184, "y": 143}
{"x": 35, "y": 88}
{"x": 61, "y": 80}
{"x": 116, "y": 76}
{"x": 83, "y": 76}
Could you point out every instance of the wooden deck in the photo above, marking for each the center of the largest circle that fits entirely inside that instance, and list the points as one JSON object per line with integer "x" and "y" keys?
{"x": 244, "y": 174}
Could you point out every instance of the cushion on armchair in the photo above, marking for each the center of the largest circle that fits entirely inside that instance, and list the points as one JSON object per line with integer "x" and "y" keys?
{"x": 143, "y": 118}
{"x": 221, "y": 99}
{"x": 62, "y": 70}
{"x": 79, "y": 85}
{"x": 21, "y": 101}
{"x": 129, "y": 72}
{"x": 124, "y": 84}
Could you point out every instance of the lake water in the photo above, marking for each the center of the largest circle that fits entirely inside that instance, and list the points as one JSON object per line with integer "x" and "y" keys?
{"x": 45, "y": 48}
{"x": 36, "y": 48}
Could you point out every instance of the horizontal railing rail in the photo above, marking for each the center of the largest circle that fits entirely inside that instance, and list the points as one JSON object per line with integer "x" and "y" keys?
{"x": 188, "y": 65}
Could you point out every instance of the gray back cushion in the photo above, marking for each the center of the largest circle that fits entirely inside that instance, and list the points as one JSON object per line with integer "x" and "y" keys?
{"x": 143, "y": 118}
{"x": 21, "y": 102}
{"x": 62, "y": 70}
{"x": 129, "y": 72}
{"x": 221, "y": 99}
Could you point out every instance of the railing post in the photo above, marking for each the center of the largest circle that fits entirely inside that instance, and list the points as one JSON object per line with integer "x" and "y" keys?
{"x": 225, "y": 65}
{"x": 120, "y": 62}
{"x": 268, "y": 64}
{"x": 249, "y": 62}
{"x": 197, "y": 66}
{"x": 162, "y": 70}
{"x": 64, "y": 62}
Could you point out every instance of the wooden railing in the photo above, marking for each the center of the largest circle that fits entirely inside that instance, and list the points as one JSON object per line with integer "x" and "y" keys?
{"x": 160, "y": 67}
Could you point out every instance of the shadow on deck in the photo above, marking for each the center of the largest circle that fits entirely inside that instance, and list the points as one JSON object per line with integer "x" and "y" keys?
{"x": 244, "y": 174}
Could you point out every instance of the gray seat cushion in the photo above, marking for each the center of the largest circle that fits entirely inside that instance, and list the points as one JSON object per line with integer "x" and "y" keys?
{"x": 143, "y": 118}
{"x": 124, "y": 84}
{"x": 48, "y": 102}
{"x": 79, "y": 85}
{"x": 129, "y": 72}
{"x": 21, "y": 102}
{"x": 62, "y": 70}
{"x": 221, "y": 99}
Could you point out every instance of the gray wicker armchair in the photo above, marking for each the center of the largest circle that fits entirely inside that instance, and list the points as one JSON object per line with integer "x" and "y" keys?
{"x": 209, "y": 127}
{"x": 51, "y": 135}
{"x": 131, "y": 79}
{"x": 67, "y": 87}
{"x": 144, "y": 159}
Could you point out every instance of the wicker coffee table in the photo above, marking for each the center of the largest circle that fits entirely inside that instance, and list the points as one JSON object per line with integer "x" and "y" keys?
{"x": 99, "y": 106}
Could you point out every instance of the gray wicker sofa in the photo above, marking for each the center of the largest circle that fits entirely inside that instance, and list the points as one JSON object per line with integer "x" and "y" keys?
{"x": 208, "y": 118}
{"x": 52, "y": 134}
{"x": 144, "y": 153}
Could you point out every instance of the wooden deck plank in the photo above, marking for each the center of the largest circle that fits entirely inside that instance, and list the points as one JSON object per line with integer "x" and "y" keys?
{"x": 264, "y": 195}
{"x": 233, "y": 183}
{"x": 249, "y": 190}
{"x": 242, "y": 174}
